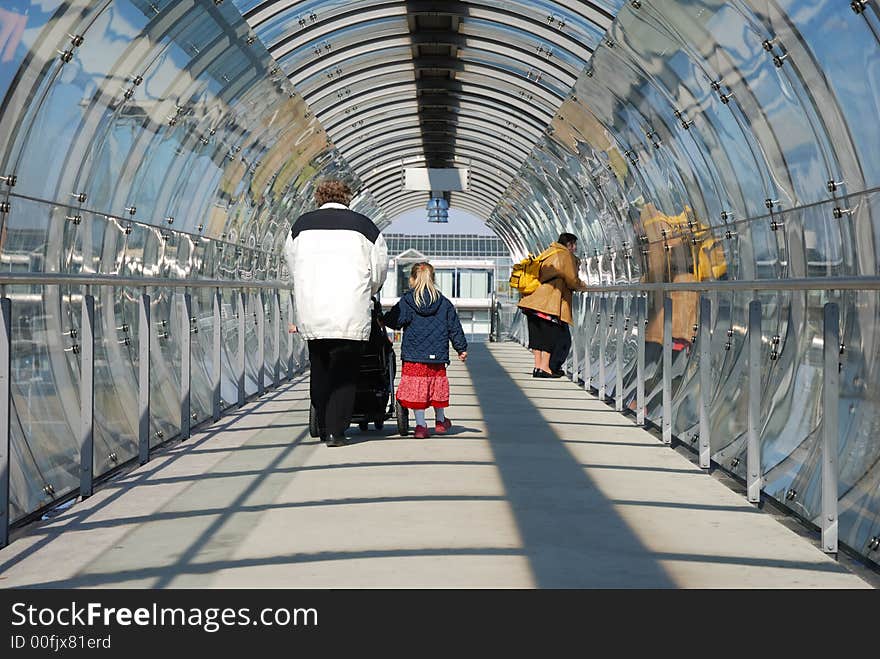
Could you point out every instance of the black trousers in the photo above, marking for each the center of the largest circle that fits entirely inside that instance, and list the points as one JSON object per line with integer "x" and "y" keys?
{"x": 332, "y": 382}
{"x": 561, "y": 349}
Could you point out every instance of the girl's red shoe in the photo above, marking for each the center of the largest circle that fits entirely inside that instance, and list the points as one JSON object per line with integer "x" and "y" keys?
{"x": 421, "y": 432}
{"x": 443, "y": 426}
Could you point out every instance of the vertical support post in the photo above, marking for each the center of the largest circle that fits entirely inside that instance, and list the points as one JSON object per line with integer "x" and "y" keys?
{"x": 830, "y": 427}
{"x": 603, "y": 333}
{"x": 145, "y": 340}
{"x": 667, "y": 369}
{"x": 5, "y": 412}
{"x": 753, "y": 450}
{"x": 87, "y": 397}
{"x": 279, "y": 334}
{"x": 575, "y": 362}
{"x": 618, "y": 356}
{"x": 260, "y": 312}
{"x": 589, "y": 330}
{"x": 185, "y": 364}
{"x": 240, "y": 357}
{"x": 217, "y": 356}
{"x": 641, "y": 316}
{"x": 290, "y": 336}
{"x": 705, "y": 378}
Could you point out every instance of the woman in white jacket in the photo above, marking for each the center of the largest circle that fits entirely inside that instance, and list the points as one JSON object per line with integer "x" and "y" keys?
{"x": 337, "y": 259}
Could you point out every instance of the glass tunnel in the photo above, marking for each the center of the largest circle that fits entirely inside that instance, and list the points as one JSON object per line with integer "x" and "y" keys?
{"x": 688, "y": 143}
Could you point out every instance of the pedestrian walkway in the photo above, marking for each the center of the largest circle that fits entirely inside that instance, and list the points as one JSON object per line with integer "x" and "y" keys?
{"x": 539, "y": 485}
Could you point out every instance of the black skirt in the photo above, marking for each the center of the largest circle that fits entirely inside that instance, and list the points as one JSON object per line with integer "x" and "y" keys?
{"x": 543, "y": 333}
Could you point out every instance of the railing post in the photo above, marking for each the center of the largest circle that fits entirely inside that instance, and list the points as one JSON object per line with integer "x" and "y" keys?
{"x": 830, "y": 427}
{"x": 641, "y": 323}
{"x": 589, "y": 330}
{"x": 705, "y": 378}
{"x": 575, "y": 360}
{"x": 87, "y": 398}
{"x": 618, "y": 356}
{"x": 217, "y": 355}
{"x": 185, "y": 364}
{"x": 290, "y": 336}
{"x": 603, "y": 334}
{"x": 5, "y": 412}
{"x": 753, "y": 450}
{"x": 276, "y": 323}
{"x": 240, "y": 357}
{"x": 261, "y": 342}
{"x": 144, "y": 345}
{"x": 667, "y": 369}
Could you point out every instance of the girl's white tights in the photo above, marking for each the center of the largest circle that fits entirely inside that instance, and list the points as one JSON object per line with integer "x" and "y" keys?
{"x": 439, "y": 414}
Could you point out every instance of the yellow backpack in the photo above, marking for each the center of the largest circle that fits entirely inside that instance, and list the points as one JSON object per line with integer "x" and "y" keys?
{"x": 525, "y": 275}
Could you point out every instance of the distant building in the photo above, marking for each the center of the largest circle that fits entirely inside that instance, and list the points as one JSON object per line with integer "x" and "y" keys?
{"x": 468, "y": 267}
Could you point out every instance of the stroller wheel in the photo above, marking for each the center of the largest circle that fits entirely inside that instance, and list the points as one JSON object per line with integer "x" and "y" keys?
{"x": 402, "y": 415}
{"x": 364, "y": 425}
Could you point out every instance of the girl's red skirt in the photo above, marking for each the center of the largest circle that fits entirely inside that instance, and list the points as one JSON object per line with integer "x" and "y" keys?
{"x": 423, "y": 385}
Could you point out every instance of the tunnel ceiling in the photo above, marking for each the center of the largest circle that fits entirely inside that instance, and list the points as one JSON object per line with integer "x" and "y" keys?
{"x": 411, "y": 83}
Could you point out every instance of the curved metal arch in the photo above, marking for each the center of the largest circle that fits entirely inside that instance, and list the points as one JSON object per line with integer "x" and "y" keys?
{"x": 508, "y": 16}
{"x": 590, "y": 12}
{"x": 407, "y": 132}
{"x": 390, "y": 186}
{"x": 457, "y": 90}
{"x": 418, "y": 159}
{"x": 481, "y": 211}
{"x": 462, "y": 66}
{"x": 464, "y": 147}
{"x": 475, "y": 122}
{"x": 471, "y": 105}
{"x": 390, "y": 183}
{"x": 390, "y": 196}
{"x": 449, "y": 89}
{"x": 405, "y": 202}
{"x": 337, "y": 55}
{"x": 471, "y": 124}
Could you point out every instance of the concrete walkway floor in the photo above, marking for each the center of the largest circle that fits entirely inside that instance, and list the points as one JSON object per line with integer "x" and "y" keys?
{"x": 539, "y": 485}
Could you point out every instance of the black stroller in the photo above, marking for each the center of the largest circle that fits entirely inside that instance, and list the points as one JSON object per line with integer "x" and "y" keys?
{"x": 374, "y": 399}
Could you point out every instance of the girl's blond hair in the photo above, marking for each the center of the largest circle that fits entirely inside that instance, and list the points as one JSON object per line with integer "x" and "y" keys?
{"x": 421, "y": 279}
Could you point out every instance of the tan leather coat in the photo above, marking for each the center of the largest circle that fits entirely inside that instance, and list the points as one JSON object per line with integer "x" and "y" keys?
{"x": 559, "y": 277}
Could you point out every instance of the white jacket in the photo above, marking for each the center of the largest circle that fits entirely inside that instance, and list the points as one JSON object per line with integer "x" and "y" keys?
{"x": 337, "y": 259}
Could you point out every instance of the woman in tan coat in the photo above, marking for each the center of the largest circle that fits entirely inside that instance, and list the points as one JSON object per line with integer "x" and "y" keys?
{"x": 550, "y": 305}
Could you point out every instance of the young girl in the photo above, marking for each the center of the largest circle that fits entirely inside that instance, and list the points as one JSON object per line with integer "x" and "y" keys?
{"x": 429, "y": 323}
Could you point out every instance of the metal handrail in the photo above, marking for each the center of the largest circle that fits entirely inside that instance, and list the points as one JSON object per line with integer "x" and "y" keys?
{"x": 800, "y": 284}
{"x": 61, "y": 278}
{"x": 85, "y": 347}
{"x": 602, "y": 308}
